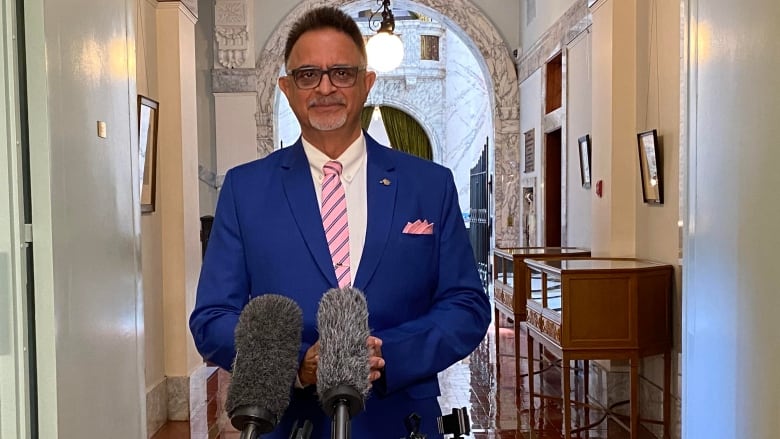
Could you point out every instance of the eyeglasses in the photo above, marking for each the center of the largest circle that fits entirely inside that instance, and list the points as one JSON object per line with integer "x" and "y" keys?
{"x": 340, "y": 76}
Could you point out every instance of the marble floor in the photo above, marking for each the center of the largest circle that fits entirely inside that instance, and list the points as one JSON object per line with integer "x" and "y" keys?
{"x": 486, "y": 386}
{"x": 499, "y": 405}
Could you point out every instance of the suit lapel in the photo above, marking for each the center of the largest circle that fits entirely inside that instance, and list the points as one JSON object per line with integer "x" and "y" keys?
{"x": 299, "y": 190}
{"x": 380, "y": 193}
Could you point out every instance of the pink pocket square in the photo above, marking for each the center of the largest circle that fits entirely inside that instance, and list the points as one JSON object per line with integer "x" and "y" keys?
{"x": 419, "y": 228}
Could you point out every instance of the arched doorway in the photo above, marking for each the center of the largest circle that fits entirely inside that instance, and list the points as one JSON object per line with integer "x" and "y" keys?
{"x": 466, "y": 20}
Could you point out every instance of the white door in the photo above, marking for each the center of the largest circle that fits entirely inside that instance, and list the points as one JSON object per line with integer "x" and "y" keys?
{"x": 15, "y": 406}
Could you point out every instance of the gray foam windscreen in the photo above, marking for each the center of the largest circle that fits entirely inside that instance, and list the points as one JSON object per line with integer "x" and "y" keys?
{"x": 268, "y": 338}
{"x": 342, "y": 322}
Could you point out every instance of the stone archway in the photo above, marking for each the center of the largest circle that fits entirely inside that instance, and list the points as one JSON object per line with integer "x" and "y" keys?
{"x": 489, "y": 49}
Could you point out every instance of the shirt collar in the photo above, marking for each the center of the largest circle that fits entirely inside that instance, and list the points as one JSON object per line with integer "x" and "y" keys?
{"x": 351, "y": 159}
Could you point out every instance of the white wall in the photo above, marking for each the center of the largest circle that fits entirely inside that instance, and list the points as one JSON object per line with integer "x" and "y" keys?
{"x": 578, "y": 107}
{"x": 267, "y": 15}
{"x": 613, "y": 115}
{"x": 235, "y": 126}
{"x": 658, "y": 107}
{"x": 730, "y": 345}
{"x": 151, "y": 258}
{"x": 505, "y": 16}
{"x": 531, "y": 118}
{"x": 89, "y": 311}
{"x": 536, "y": 20}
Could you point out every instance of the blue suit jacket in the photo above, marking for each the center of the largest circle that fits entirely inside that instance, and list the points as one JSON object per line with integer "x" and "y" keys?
{"x": 424, "y": 295}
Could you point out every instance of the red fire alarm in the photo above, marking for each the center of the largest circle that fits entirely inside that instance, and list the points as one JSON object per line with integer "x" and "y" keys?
{"x": 599, "y": 188}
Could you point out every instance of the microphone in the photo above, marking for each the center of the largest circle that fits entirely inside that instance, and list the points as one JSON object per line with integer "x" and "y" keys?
{"x": 268, "y": 338}
{"x": 343, "y": 369}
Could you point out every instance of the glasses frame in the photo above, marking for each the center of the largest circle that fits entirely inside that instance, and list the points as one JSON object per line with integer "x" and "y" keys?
{"x": 322, "y": 72}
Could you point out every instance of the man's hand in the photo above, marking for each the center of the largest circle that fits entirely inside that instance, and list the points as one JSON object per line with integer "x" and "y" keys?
{"x": 375, "y": 360}
{"x": 307, "y": 373}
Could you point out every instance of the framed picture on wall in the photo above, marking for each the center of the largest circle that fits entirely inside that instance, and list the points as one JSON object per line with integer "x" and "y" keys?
{"x": 147, "y": 151}
{"x": 584, "y": 147}
{"x": 650, "y": 167}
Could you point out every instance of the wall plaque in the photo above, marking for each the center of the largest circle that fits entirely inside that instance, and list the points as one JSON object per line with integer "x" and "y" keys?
{"x": 530, "y": 151}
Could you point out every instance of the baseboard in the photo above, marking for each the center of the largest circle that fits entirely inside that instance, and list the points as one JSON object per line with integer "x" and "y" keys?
{"x": 178, "y": 398}
{"x": 156, "y": 408}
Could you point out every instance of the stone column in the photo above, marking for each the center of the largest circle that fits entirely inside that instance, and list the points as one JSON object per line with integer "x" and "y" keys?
{"x": 177, "y": 183}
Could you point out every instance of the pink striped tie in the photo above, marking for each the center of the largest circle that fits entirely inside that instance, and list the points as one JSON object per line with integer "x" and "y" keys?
{"x": 334, "y": 220}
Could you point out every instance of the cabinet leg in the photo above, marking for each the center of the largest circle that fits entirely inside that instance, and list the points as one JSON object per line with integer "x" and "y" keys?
{"x": 566, "y": 363}
{"x": 634, "y": 397}
{"x": 667, "y": 393}
{"x": 496, "y": 338}
{"x": 530, "y": 359}
{"x": 586, "y": 392}
{"x": 518, "y": 361}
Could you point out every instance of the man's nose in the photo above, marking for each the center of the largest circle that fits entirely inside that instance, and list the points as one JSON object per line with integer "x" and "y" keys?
{"x": 325, "y": 86}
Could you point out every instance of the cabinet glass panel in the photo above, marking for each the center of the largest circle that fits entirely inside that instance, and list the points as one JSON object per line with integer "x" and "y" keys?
{"x": 546, "y": 290}
{"x": 554, "y": 293}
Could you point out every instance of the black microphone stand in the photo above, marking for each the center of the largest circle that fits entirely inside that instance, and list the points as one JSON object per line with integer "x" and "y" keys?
{"x": 341, "y": 428}
{"x": 252, "y": 421}
{"x": 342, "y": 403}
{"x": 302, "y": 432}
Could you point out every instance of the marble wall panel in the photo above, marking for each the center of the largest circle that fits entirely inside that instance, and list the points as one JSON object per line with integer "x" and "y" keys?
{"x": 156, "y": 408}
{"x": 178, "y": 398}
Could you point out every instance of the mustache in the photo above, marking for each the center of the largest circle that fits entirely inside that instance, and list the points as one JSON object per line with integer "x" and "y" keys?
{"x": 326, "y": 100}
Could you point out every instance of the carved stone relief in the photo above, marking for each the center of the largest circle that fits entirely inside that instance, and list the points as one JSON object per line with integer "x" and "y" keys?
{"x": 231, "y": 33}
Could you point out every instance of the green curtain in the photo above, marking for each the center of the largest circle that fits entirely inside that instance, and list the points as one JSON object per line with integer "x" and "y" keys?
{"x": 405, "y": 133}
{"x": 365, "y": 117}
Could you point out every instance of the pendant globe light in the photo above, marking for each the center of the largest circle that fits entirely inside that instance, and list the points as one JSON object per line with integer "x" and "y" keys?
{"x": 385, "y": 49}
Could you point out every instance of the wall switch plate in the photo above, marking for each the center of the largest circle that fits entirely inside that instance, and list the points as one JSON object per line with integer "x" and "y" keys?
{"x": 102, "y": 130}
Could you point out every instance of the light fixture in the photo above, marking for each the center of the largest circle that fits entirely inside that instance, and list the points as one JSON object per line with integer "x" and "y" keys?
{"x": 385, "y": 49}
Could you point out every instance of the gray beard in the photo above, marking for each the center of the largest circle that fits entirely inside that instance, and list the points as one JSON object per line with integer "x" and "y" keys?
{"x": 328, "y": 123}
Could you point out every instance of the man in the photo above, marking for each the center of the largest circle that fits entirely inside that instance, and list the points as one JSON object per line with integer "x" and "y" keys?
{"x": 406, "y": 248}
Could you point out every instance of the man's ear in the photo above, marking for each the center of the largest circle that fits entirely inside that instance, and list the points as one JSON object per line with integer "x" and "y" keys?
{"x": 284, "y": 84}
{"x": 370, "y": 79}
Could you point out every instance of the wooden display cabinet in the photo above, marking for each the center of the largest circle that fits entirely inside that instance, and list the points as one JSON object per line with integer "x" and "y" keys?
{"x": 600, "y": 309}
{"x": 510, "y": 292}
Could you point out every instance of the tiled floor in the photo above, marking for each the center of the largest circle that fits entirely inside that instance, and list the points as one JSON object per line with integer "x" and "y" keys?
{"x": 486, "y": 386}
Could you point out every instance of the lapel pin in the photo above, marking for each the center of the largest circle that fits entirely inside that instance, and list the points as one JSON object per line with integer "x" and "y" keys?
{"x": 385, "y": 182}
